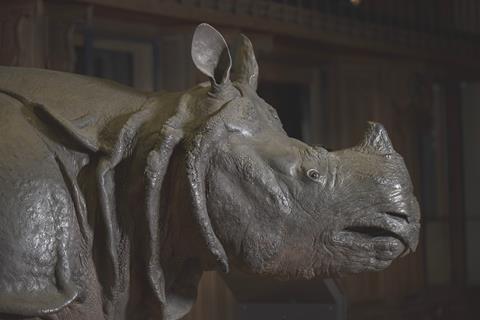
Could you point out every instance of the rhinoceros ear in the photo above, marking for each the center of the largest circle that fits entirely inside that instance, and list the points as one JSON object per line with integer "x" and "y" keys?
{"x": 245, "y": 66}
{"x": 211, "y": 55}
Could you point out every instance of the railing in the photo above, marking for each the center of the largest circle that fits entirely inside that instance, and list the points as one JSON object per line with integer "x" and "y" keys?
{"x": 445, "y": 17}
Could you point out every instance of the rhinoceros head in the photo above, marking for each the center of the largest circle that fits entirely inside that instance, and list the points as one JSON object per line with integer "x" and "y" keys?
{"x": 273, "y": 205}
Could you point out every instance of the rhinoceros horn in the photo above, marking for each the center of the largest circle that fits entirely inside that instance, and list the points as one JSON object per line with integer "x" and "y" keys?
{"x": 245, "y": 67}
{"x": 376, "y": 140}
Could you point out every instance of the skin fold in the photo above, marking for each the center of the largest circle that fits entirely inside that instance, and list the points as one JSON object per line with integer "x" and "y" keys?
{"x": 113, "y": 202}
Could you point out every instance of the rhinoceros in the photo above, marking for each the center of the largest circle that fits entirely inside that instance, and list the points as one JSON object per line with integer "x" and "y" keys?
{"x": 114, "y": 201}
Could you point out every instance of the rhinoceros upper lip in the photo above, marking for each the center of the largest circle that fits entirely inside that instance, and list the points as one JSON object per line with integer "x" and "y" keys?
{"x": 392, "y": 224}
{"x": 374, "y": 231}
{"x": 397, "y": 215}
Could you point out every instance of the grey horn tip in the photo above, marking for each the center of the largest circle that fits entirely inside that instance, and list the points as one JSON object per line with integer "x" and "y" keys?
{"x": 376, "y": 140}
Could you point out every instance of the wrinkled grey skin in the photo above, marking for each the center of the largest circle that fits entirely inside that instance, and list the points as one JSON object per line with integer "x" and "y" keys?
{"x": 113, "y": 202}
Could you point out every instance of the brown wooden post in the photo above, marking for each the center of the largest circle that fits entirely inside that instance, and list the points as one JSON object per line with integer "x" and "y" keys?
{"x": 63, "y": 20}
{"x": 21, "y": 33}
{"x": 455, "y": 169}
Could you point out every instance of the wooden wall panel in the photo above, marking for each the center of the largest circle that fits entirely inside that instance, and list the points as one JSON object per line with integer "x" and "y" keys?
{"x": 21, "y": 34}
{"x": 35, "y": 33}
{"x": 395, "y": 93}
{"x": 62, "y": 21}
{"x": 215, "y": 300}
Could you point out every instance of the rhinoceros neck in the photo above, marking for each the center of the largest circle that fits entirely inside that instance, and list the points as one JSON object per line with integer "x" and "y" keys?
{"x": 164, "y": 255}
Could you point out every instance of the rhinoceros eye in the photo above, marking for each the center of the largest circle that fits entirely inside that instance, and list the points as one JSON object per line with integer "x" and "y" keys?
{"x": 314, "y": 175}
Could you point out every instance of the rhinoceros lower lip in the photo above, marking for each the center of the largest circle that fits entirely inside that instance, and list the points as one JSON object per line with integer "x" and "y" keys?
{"x": 376, "y": 233}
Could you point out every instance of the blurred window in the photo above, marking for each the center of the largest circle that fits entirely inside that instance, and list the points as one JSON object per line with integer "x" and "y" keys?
{"x": 108, "y": 64}
{"x": 290, "y": 100}
{"x": 129, "y": 62}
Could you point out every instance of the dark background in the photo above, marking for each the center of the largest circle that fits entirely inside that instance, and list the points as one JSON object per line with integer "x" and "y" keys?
{"x": 328, "y": 66}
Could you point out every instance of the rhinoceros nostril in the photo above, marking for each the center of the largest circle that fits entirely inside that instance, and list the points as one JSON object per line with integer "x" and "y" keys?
{"x": 398, "y": 215}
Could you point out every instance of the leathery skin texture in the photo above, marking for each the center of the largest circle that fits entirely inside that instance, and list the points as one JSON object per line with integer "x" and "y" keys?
{"x": 114, "y": 201}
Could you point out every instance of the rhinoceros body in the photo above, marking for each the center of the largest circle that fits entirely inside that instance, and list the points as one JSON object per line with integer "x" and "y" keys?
{"x": 113, "y": 201}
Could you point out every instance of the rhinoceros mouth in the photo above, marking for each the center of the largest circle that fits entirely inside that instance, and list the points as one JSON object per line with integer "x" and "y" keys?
{"x": 386, "y": 243}
{"x": 377, "y": 233}
{"x": 374, "y": 232}
{"x": 394, "y": 229}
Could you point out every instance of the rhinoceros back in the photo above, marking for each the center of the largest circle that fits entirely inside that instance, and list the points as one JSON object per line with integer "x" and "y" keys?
{"x": 83, "y": 105}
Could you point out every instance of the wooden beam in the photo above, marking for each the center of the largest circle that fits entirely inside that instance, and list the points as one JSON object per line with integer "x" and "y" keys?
{"x": 374, "y": 38}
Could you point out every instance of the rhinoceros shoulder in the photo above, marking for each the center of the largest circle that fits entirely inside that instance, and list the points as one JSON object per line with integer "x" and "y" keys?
{"x": 82, "y": 105}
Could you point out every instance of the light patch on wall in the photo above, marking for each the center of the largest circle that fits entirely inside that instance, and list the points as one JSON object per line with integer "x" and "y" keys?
{"x": 356, "y": 2}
